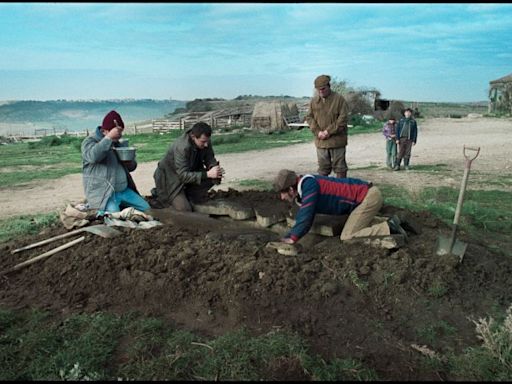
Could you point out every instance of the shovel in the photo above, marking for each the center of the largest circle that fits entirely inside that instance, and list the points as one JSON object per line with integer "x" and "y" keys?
{"x": 452, "y": 246}
{"x": 100, "y": 230}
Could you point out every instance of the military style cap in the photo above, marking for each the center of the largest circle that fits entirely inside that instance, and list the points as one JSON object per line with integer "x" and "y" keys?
{"x": 322, "y": 81}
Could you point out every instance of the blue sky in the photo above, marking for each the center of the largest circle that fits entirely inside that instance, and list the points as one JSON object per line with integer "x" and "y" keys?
{"x": 415, "y": 52}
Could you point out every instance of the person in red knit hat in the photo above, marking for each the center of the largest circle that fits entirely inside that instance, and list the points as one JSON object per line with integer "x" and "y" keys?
{"x": 108, "y": 184}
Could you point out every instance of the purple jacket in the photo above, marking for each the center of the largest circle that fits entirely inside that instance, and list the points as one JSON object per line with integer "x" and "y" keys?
{"x": 389, "y": 130}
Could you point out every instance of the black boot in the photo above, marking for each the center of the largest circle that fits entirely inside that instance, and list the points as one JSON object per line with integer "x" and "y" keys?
{"x": 394, "y": 226}
{"x": 341, "y": 175}
{"x": 397, "y": 165}
{"x": 406, "y": 163}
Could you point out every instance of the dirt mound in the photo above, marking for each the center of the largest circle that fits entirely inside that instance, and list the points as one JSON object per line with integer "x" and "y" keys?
{"x": 348, "y": 300}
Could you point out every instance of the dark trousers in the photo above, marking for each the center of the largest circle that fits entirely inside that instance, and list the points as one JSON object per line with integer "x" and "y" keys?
{"x": 404, "y": 151}
{"x": 192, "y": 193}
{"x": 331, "y": 159}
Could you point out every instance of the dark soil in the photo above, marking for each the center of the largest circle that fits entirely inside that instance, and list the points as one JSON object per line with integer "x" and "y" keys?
{"x": 212, "y": 276}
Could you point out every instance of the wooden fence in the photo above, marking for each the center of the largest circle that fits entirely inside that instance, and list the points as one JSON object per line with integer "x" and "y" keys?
{"x": 162, "y": 126}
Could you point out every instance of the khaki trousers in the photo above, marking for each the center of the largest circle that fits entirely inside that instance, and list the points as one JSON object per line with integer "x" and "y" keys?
{"x": 357, "y": 224}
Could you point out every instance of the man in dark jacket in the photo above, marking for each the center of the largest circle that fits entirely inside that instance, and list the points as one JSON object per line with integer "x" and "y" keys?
{"x": 334, "y": 196}
{"x": 187, "y": 171}
{"x": 406, "y": 135}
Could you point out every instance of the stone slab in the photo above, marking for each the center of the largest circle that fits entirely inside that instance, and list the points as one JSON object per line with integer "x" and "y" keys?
{"x": 285, "y": 249}
{"x": 266, "y": 220}
{"x": 225, "y": 208}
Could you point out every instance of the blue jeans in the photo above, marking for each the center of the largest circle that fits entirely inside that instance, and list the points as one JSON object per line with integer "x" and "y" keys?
{"x": 127, "y": 197}
{"x": 390, "y": 153}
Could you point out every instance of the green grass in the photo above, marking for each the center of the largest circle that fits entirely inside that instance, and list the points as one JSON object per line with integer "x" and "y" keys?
{"x": 433, "y": 109}
{"x": 487, "y": 210}
{"x": 12, "y": 228}
{"x": 256, "y": 184}
{"x": 432, "y": 333}
{"x": 9, "y": 179}
{"x": 504, "y": 181}
{"x": 357, "y": 281}
{"x": 486, "y": 214}
{"x": 492, "y": 360}
{"x": 54, "y": 157}
{"x": 101, "y": 346}
{"x": 435, "y": 168}
{"x": 437, "y": 289}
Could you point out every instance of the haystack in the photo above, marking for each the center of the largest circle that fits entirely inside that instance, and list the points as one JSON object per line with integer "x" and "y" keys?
{"x": 395, "y": 110}
{"x": 268, "y": 116}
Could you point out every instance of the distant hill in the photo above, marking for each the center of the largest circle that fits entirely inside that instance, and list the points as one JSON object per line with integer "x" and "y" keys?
{"x": 80, "y": 115}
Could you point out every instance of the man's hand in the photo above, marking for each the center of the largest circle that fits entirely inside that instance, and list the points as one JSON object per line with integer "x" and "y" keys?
{"x": 287, "y": 240}
{"x": 215, "y": 172}
{"x": 323, "y": 135}
{"x": 115, "y": 134}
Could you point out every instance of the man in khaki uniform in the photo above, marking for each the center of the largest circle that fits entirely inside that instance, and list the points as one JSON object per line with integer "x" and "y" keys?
{"x": 327, "y": 118}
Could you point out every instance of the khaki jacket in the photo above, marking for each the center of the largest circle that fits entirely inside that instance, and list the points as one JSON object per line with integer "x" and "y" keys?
{"x": 330, "y": 113}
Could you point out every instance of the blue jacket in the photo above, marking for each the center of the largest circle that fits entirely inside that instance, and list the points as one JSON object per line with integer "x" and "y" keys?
{"x": 413, "y": 131}
{"x": 327, "y": 195}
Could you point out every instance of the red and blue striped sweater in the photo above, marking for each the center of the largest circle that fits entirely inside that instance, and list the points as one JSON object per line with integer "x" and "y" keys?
{"x": 327, "y": 195}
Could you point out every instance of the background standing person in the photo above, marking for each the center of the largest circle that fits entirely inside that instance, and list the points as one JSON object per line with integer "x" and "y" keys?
{"x": 406, "y": 135}
{"x": 187, "y": 171}
{"x": 327, "y": 118}
{"x": 107, "y": 181}
{"x": 389, "y": 132}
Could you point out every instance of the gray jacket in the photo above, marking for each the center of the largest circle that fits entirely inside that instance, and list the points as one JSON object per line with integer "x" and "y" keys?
{"x": 103, "y": 173}
{"x": 183, "y": 164}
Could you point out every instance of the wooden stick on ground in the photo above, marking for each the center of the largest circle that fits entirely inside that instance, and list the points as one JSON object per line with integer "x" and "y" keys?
{"x": 43, "y": 256}
{"x": 80, "y": 230}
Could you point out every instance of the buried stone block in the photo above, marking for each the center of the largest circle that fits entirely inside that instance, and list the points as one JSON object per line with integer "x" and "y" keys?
{"x": 386, "y": 242}
{"x": 325, "y": 225}
{"x": 285, "y": 249}
{"x": 267, "y": 219}
{"x": 225, "y": 208}
{"x": 280, "y": 228}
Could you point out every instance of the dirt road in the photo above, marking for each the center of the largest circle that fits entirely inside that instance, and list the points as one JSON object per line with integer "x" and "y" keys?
{"x": 440, "y": 142}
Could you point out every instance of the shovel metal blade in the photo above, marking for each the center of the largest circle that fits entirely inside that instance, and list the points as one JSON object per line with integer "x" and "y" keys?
{"x": 102, "y": 230}
{"x": 443, "y": 247}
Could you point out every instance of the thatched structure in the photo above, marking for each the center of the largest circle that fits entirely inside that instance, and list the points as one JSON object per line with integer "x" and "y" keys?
{"x": 500, "y": 95}
{"x": 268, "y": 116}
{"x": 396, "y": 110}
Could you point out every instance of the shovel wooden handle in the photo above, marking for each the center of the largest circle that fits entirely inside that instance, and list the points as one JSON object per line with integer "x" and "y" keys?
{"x": 43, "y": 256}
{"x": 460, "y": 201}
{"x": 64, "y": 235}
